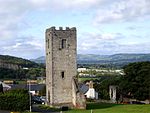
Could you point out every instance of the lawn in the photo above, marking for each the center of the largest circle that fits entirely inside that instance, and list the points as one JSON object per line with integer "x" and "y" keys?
{"x": 113, "y": 108}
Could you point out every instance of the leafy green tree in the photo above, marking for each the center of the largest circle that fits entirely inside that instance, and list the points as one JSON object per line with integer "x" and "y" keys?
{"x": 136, "y": 81}
{"x": 35, "y": 72}
{"x": 16, "y": 100}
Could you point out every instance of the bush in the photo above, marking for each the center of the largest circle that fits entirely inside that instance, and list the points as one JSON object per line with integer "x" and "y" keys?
{"x": 16, "y": 100}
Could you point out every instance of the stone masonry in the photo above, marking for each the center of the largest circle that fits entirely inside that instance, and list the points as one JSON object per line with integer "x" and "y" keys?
{"x": 60, "y": 65}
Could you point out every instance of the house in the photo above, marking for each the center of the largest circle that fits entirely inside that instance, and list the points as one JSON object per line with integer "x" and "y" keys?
{"x": 5, "y": 86}
{"x": 41, "y": 80}
{"x": 88, "y": 90}
{"x": 32, "y": 82}
{"x": 81, "y": 69}
{"x": 34, "y": 88}
{"x": 8, "y": 81}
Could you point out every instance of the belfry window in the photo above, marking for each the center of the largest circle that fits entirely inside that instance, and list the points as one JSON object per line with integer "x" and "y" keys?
{"x": 63, "y": 43}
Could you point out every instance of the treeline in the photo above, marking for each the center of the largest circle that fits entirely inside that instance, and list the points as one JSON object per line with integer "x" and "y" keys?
{"x": 31, "y": 73}
{"x": 134, "y": 84}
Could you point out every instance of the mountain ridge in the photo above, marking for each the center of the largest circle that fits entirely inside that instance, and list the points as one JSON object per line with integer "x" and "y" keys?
{"x": 122, "y": 58}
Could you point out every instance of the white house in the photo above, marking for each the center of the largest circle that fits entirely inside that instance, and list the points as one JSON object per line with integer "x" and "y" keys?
{"x": 5, "y": 86}
{"x": 91, "y": 93}
{"x": 81, "y": 69}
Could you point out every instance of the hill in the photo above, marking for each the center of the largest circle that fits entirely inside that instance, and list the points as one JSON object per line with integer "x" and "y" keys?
{"x": 7, "y": 61}
{"x": 116, "y": 59}
{"x": 18, "y": 68}
{"x": 40, "y": 60}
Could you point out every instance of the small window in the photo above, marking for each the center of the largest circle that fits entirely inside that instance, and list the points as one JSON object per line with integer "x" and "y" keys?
{"x": 62, "y": 74}
{"x": 48, "y": 96}
{"x": 48, "y": 43}
{"x": 63, "y": 43}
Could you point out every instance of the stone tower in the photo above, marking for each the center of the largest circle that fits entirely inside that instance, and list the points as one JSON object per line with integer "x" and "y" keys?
{"x": 60, "y": 65}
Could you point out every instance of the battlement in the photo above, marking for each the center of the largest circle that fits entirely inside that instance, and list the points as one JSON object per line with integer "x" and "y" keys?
{"x": 53, "y": 28}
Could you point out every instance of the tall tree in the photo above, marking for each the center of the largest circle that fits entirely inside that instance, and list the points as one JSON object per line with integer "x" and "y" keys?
{"x": 136, "y": 81}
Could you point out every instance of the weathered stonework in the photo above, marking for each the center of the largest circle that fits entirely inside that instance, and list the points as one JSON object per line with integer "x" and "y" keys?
{"x": 60, "y": 65}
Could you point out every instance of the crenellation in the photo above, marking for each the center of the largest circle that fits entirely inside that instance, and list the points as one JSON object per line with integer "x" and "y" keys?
{"x": 52, "y": 28}
{"x": 60, "y": 28}
{"x": 67, "y": 28}
{"x": 73, "y": 28}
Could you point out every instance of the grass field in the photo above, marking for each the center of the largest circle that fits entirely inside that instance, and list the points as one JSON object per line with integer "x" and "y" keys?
{"x": 113, "y": 108}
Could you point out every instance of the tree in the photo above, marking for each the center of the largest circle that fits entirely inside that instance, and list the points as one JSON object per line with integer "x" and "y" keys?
{"x": 16, "y": 100}
{"x": 136, "y": 81}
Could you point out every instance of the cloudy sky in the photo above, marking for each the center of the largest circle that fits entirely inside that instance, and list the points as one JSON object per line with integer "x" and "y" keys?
{"x": 103, "y": 26}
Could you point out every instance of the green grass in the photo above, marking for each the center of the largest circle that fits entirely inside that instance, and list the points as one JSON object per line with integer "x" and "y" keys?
{"x": 27, "y": 112}
{"x": 113, "y": 108}
{"x": 44, "y": 107}
{"x": 21, "y": 81}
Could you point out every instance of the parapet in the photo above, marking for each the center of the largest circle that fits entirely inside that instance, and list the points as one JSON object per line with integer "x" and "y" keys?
{"x": 51, "y": 29}
{"x": 61, "y": 29}
{"x": 73, "y": 28}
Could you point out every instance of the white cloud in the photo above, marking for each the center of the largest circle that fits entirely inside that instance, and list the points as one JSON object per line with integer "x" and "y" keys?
{"x": 123, "y": 10}
{"x": 134, "y": 48}
{"x": 65, "y": 4}
{"x": 11, "y": 14}
{"x": 26, "y": 47}
{"x": 90, "y": 42}
{"x": 109, "y": 44}
{"x": 14, "y": 12}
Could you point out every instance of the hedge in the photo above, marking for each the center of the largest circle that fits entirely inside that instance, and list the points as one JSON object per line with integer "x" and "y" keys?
{"x": 16, "y": 100}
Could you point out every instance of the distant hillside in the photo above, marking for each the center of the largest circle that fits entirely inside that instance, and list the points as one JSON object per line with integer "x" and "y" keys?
{"x": 12, "y": 62}
{"x": 40, "y": 60}
{"x": 18, "y": 68}
{"x": 113, "y": 58}
{"x": 116, "y": 59}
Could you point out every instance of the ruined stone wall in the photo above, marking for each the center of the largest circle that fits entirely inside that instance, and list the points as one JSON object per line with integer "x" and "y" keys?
{"x": 78, "y": 99}
{"x": 60, "y": 64}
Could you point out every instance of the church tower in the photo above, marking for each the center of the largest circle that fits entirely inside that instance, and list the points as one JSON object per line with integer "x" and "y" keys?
{"x": 60, "y": 65}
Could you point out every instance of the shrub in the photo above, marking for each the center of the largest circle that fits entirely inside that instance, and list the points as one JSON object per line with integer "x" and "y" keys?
{"x": 17, "y": 100}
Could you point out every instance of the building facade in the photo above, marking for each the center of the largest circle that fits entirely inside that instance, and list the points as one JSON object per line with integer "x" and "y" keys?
{"x": 60, "y": 65}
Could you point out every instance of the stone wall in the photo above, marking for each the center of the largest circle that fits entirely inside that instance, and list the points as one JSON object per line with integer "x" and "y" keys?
{"x": 78, "y": 100}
